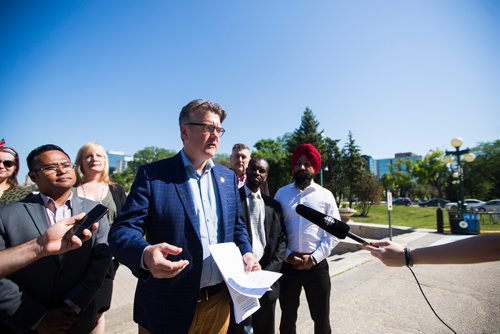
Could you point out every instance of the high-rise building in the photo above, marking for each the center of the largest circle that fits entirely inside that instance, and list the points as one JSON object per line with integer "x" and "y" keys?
{"x": 380, "y": 167}
{"x": 371, "y": 164}
{"x": 118, "y": 161}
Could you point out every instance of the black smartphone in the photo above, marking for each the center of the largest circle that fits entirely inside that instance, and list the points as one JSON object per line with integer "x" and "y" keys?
{"x": 93, "y": 216}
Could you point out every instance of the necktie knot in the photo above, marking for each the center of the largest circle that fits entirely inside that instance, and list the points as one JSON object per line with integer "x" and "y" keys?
{"x": 52, "y": 206}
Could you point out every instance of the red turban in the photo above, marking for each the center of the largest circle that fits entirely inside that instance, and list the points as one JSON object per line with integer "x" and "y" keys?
{"x": 310, "y": 152}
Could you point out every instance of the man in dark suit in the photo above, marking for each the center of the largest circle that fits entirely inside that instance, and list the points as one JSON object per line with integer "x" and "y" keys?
{"x": 54, "y": 294}
{"x": 262, "y": 216}
{"x": 182, "y": 205}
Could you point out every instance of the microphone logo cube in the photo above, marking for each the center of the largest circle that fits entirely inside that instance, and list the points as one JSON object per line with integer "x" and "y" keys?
{"x": 329, "y": 220}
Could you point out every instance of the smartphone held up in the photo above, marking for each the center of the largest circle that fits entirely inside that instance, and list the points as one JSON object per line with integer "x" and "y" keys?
{"x": 93, "y": 216}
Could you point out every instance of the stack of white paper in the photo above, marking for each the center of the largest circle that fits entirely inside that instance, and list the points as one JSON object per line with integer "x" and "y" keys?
{"x": 245, "y": 289}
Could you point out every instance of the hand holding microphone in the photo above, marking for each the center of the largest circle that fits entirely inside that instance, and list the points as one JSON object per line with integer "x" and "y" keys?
{"x": 328, "y": 223}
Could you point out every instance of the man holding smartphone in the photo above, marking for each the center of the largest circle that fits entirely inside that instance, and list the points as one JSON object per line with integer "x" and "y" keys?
{"x": 58, "y": 239}
{"x": 55, "y": 293}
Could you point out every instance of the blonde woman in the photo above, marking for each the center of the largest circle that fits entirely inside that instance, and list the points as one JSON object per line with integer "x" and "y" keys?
{"x": 10, "y": 191}
{"x": 93, "y": 182}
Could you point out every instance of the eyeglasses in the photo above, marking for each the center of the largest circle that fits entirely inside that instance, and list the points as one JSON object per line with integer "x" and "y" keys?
{"x": 53, "y": 168}
{"x": 8, "y": 163}
{"x": 209, "y": 128}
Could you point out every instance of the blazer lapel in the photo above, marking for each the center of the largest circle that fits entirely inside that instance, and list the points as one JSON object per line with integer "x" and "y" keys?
{"x": 182, "y": 186}
{"x": 36, "y": 211}
{"x": 221, "y": 184}
{"x": 38, "y": 215}
{"x": 268, "y": 221}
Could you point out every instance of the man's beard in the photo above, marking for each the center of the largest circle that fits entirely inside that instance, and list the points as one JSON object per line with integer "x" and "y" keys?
{"x": 302, "y": 180}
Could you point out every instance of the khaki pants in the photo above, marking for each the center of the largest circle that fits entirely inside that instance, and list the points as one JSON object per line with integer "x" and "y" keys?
{"x": 210, "y": 316}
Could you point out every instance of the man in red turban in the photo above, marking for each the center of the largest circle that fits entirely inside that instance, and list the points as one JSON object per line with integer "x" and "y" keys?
{"x": 311, "y": 154}
{"x": 308, "y": 245}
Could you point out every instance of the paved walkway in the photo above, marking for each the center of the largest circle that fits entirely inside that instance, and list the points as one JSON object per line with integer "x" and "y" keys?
{"x": 368, "y": 297}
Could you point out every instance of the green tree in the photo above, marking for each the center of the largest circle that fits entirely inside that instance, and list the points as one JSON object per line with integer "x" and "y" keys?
{"x": 482, "y": 176}
{"x": 431, "y": 172}
{"x": 275, "y": 152}
{"x": 148, "y": 155}
{"x": 400, "y": 178}
{"x": 368, "y": 190}
{"x": 124, "y": 179}
{"x": 334, "y": 174}
{"x": 307, "y": 133}
{"x": 388, "y": 182}
{"x": 354, "y": 165}
{"x": 142, "y": 157}
{"x": 223, "y": 159}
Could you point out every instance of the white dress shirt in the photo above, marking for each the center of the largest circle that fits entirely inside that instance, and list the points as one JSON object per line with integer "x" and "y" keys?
{"x": 303, "y": 236}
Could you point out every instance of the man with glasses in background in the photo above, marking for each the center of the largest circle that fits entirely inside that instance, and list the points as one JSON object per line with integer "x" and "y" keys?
{"x": 54, "y": 294}
{"x": 181, "y": 205}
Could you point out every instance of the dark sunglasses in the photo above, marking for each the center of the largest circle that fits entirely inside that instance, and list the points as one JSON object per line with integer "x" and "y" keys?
{"x": 8, "y": 163}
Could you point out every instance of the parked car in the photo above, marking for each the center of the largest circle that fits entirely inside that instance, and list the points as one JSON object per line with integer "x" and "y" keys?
{"x": 491, "y": 206}
{"x": 402, "y": 201}
{"x": 437, "y": 202}
{"x": 469, "y": 203}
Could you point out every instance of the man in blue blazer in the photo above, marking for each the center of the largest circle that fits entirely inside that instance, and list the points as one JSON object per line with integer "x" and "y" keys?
{"x": 176, "y": 208}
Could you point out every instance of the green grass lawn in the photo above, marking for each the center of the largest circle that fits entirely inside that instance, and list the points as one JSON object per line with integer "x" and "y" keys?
{"x": 416, "y": 217}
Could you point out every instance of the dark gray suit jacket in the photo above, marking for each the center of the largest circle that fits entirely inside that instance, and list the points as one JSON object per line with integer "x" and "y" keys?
{"x": 29, "y": 293}
{"x": 274, "y": 252}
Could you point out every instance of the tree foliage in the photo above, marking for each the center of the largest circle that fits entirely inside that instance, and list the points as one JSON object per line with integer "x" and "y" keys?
{"x": 307, "y": 133}
{"x": 482, "y": 176}
{"x": 368, "y": 191}
{"x": 354, "y": 166}
{"x": 400, "y": 178}
{"x": 148, "y": 155}
{"x": 275, "y": 152}
{"x": 223, "y": 159}
{"x": 142, "y": 157}
{"x": 334, "y": 170}
{"x": 432, "y": 172}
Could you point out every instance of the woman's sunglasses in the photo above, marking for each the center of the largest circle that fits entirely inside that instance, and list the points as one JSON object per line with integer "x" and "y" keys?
{"x": 8, "y": 163}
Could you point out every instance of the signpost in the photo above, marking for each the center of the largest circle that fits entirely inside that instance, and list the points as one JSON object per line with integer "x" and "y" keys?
{"x": 389, "y": 210}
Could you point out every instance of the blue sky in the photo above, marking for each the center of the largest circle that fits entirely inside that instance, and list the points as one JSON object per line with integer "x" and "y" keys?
{"x": 402, "y": 76}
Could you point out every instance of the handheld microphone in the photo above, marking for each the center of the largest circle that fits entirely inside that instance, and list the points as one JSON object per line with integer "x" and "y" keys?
{"x": 331, "y": 225}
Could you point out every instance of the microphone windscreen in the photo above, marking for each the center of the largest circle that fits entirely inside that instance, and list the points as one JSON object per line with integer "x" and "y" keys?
{"x": 333, "y": 226}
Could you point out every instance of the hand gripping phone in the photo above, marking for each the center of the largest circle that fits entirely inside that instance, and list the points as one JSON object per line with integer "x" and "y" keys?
{"x": 93, "y": 216}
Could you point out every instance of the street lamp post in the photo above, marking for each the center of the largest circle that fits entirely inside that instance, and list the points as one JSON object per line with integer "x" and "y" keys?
{"x": 468, "y": 157}
{"x": 322, "y": 135}
{"x": 321, "y": 174}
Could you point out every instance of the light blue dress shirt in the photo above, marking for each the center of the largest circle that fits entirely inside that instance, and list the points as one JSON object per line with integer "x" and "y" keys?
{"x": 204, "y": 192}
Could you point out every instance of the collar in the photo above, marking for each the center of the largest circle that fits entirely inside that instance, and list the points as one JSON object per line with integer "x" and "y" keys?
{"x": 188, "y": 165}
{"x": 248, "y": 192}
{"x": 311, "y": 186}
{"x": 46, "y": 199}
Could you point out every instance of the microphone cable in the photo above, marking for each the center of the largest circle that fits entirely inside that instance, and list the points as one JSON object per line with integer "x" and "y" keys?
{"x": 428, "y": 303}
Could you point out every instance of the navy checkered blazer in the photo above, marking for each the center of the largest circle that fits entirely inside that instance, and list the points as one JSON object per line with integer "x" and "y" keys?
{"x": 159, "y": 209}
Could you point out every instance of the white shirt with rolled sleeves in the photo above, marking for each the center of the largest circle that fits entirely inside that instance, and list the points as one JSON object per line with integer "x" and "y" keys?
{"x": 304, "y": 236}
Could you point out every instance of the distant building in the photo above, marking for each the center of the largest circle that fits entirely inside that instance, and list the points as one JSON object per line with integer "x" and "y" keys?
{"x": 371, "y": 164}
{"x": 118, "y": 161}
{"x": 379, "y": 167}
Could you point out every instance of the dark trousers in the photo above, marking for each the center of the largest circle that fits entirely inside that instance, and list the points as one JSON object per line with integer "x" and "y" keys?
{"x": 262, "y": 321}
{"x": 317, "y": 285}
